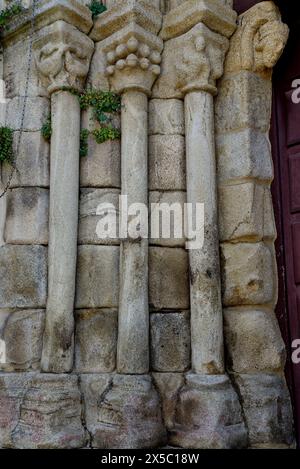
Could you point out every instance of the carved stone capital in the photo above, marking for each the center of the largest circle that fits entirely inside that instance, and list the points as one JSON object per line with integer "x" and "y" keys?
{"x": 196, "y": 34}
{"x": 191, "y": 62}
{"x": 132, "y": 61}
{"x": 142, "y": 13}
{"x": 215, "y": 14}
{"x": 62, "y": 56}
{"x": 130, "y": 45}
{"x": 46, "y": 13}
{"x": 259, "y": 40}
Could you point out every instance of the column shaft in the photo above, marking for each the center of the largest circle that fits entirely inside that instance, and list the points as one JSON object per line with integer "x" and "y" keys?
{"x": 205, "y": 288}
{"x": 63, "y": 222}
{"x": 133, "y": 338}
{"x": 2, "y": 123}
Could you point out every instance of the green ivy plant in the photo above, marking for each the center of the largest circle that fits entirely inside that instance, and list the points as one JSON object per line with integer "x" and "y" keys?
{"x": 106, "y": 133}
{"x": 47, "y": 128}
{"x": 105, "y": 105}
{"x": 96, "y": 8}
{"x": 84, "y": 135}
{"x": 6, "y": 145}
{"x": 8, "y": 13}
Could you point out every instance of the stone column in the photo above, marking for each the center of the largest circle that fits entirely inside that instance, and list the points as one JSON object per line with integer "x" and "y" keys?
{"x": 205, "y": 282}
{"x": 62, "y": 58}
{"x": 255, "y": 350}
{"x": 131, "y": 56}
{"x": 208, "y": 411}
{"x": 132, "y": 65}
{"x": 2, "y": 123}
{"x": 133, "y": 338}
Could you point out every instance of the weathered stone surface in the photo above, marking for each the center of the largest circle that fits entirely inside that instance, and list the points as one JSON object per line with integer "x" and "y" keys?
{"x": 32, "y": 162}
{"x": 170, "y": 341}
{"x": 14, "y": 76}
{"x": 101, "y": 168}
{"x": 204, "y": 260}
{"x": 193, "y": 61}
{"x": 248, "y": 274}
{"x": 50, "y": 414}
{"x": 173, "y": 207}
{"x": 36, "y": 113}
{"x": 144, "y": 14}
{"x": 13, "y": 387}
{"x": 235, "y": 107}
{"x": 96, "y": 340}
{"x": 89, "y": 122}
{"x": 246, "y": 212}
{"x": 133, "y": 339}
{"x": 168, "y": 278}
{"x": 90, "y": 215}
{"x": 258, "y": 41}
{"x": 241, "y": 212}
{"x": 3, "y": 206}
{"x": 208, "y": 415}
{"x": 267, "y": 408}
{"x": 243, "y": 155}
{"x": 166, "y": 117}
{"x": 168, "y": 386}
{"x": 253, "y": 341}
{"x": 97, "y": 277}
{"x": 58, "y": 349}
{"x": 122, "y": 411}
{"x": 23, "y": 270}
{"x": 23, "y": 337}
{"x": 167, "y": 162}
{"x": 270, "y": 230}
{"x": 48, "y": 12}
{"x": 27, "y": 216}
{"x": 63, "y": 48}
{"x": 133, "y": 58}
{"x": 97, "y": 77}
{"x": 214, "y": 14}
{"x": 169, "y": 4}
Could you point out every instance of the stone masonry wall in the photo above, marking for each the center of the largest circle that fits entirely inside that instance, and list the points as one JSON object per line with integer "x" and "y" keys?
{"x": 255, "y": 349}
{"x": 63, "y": 384}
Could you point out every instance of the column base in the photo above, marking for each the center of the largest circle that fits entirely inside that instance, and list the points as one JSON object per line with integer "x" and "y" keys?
{"x": 208, "y": 415}
{"x": 123, "y": 411}
{"x": 40, "y": 411}
{"x": 267, "y": 409}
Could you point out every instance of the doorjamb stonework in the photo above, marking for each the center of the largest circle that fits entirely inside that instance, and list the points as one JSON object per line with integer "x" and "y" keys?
{"x": 123, "y": 341}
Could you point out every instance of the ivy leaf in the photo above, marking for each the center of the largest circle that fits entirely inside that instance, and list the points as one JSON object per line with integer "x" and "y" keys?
{"x": 96, "y": 8}
{"x": 6, "y": 144}
{"x": 101, "y": 117}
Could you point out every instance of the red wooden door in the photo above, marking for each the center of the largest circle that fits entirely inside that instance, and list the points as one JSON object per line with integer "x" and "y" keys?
{"x": 285, "y": 138}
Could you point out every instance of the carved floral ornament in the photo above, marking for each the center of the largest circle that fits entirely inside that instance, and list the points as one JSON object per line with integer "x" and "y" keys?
{"x": 259, "y": 40}
{"x": 62, "y": 56}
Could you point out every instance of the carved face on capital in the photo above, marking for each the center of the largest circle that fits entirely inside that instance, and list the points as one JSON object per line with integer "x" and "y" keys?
{"x": 62, "y": 57}
{"x": 200, "y": 64}
{"x": 269, "y": 43}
